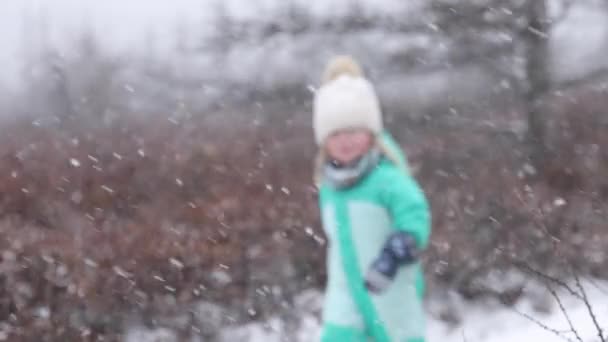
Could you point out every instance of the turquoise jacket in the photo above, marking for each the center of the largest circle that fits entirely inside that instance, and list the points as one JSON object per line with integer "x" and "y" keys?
{"x": 357, "y": 222}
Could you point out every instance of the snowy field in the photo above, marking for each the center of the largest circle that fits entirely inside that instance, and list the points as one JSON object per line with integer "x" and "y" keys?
{"x": 495, "y": 323}
{"x": 485, "y": 321}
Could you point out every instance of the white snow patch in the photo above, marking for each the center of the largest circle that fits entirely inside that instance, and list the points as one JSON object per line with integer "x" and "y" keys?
{"x": 479, "y": 322}
{"x": 495, "y": 323}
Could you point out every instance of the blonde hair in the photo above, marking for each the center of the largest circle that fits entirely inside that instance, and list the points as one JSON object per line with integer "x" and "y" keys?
{"x": 322, "y": 158}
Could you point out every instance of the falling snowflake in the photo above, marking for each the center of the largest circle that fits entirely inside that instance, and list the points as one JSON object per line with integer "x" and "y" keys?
{"x": 559, "y": 202}
{"x": 43, "y": 312}
{"x": 48, "y": 259}
{"x": 107, "y": 189}
{"x": 261, "y": 292}
{"x": 433, "y": 27}
{"x": 74, "y": 162}
{"x": 319, "y": 240}
{"x": 176, "y": 263}
{"x": 91, "y": 263}
{"x": 529, "y": 169}
{"x": 121, "y": 272}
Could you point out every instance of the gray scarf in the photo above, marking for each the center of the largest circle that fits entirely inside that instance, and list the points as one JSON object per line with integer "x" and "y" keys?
{"x": 345, "y": 176}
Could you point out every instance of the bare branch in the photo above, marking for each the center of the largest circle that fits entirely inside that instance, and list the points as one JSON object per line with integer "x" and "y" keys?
{"x": 556, "y": 332}
{"x": 600, "y": 332}
{"x": 527, "y": 268}
{"x": 564, "y": 312}
{"x": 454, "y": 17}
{"x": 539, "y": 219}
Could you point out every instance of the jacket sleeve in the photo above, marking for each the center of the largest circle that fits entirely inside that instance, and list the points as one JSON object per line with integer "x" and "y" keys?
{"x": 407, "y": 205}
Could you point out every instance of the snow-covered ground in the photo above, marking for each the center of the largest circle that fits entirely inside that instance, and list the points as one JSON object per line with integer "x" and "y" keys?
{"x": 495, "y": 323}
{"x": 535, "y": 318}
{"x": 479, "y": 322}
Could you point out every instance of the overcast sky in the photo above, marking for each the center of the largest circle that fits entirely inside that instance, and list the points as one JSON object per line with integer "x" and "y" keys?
{"x": 126, "y": 24}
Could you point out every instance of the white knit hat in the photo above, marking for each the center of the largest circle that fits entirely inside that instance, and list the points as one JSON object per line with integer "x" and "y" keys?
{"x": 346, "y": 100}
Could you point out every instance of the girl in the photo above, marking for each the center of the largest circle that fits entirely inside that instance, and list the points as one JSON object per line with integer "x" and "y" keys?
{"x": 374, "y": 214}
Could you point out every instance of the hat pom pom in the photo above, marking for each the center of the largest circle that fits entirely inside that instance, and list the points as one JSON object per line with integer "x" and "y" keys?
{"x": 341, "y": 66}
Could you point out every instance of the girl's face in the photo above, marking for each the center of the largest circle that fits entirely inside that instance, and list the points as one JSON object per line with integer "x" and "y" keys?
{"x": 348, "y": 146}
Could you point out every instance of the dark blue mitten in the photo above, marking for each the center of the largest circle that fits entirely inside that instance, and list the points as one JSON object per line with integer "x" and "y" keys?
{"x": 399, "y": 250}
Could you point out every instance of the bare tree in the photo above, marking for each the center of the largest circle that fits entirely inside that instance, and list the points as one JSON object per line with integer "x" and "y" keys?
{"x": 535, "y": 41}
{"x": 510, "y": 39}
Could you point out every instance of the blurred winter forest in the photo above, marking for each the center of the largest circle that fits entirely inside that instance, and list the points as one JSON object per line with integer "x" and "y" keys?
{"x": 165, "y": 178}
